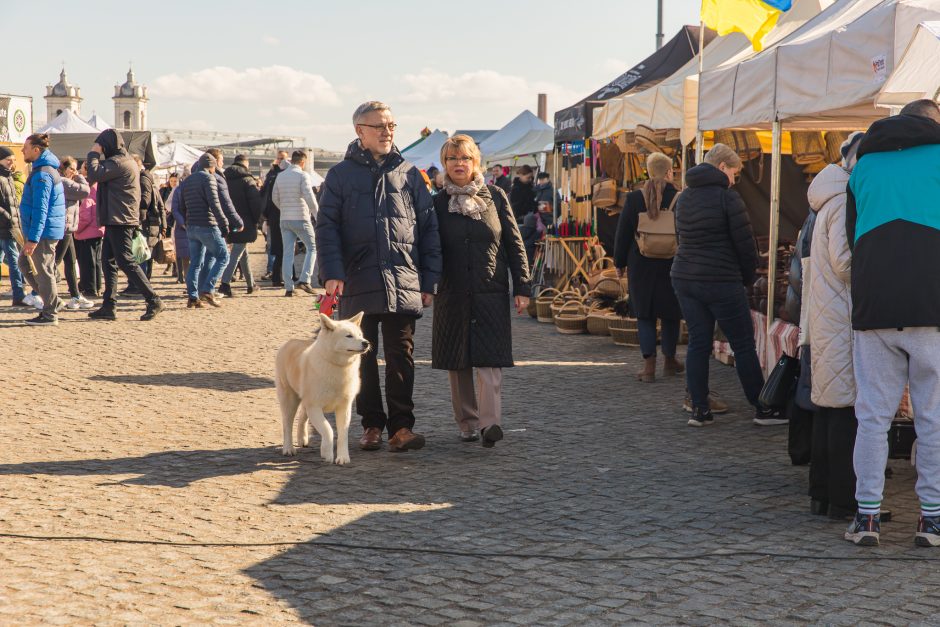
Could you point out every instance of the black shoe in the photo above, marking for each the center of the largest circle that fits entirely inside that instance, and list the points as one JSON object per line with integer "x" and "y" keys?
{"x": 305, "y": 287}
{"x": 104, "y": 313}
{"x": 289, "y": 293}
{"x": 819, "y": 508}
{"x": 225, "y": 289}
{"x": 18, "y": 302}
{"x": 129, "y": 291}
{"x": 767, "y": 417}
{"x": 266, "y": 277}
{"x": 153, "y": 308}
{"x": 842, "y": 513}
{"x": 42, "y": 321}
{"x": 701, "y": 418}
{"x": 490, "y": 436}
{"x": 194, "y": 303}
{"x": 250, "y": 288}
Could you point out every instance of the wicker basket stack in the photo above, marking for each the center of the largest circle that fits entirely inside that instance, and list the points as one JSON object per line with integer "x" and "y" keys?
{"x": 571, "y": 318}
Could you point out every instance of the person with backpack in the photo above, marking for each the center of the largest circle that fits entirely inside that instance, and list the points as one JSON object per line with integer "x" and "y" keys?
{"x": 648, "y": 264}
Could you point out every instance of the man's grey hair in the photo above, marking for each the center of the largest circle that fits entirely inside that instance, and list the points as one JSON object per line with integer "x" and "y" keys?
{"x": 924, "y": 108}
{"x": 368, "y": 107}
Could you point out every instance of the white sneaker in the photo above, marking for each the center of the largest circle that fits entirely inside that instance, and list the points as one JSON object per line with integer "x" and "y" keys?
{"x": 33, "y": 301}
{"x": 73, "y": 305}
{"x": 84, "y": 303}
{"x": 38, "y": 304}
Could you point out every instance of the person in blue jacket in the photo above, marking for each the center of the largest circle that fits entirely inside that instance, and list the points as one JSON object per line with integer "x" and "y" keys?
{"x": 42, "y": 217}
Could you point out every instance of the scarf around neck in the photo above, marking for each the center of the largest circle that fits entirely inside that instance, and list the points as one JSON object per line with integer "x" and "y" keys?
{"x": 464, "y": 200}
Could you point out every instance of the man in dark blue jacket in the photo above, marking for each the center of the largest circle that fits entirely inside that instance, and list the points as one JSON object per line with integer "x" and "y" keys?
{"x": 380, "y": 251}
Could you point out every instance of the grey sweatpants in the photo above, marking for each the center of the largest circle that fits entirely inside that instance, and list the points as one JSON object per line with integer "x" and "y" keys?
{"x": 43, "y": 280}
{"x": 886, "y": 360}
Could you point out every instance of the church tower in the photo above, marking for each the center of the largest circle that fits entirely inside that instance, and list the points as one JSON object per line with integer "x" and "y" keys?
{"x": 62, "y": 96}
{"x": 130, "y": 105}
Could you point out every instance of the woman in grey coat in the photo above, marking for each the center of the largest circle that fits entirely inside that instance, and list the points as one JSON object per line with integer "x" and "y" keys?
{"x": 76, "y": 190}
{"x": 481, "y": 248}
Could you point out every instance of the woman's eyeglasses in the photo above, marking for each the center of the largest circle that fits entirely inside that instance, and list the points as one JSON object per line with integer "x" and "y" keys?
{"x": 464, "y": 159}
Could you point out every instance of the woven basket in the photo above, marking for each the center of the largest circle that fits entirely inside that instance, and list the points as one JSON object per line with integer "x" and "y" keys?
{"x": 565, "y": 297}
{"x": 597, "y": 271}
{"x": 571, "y": 318}
{"x": 807, "y": 147}
{"x": 543, "y": 305}
{"x": 597, "y": 320}
{"x": 623, "y": 331}
{"x": 531, "y": 309}
{"x": 611, "y": 286}
{"x": 834, "y": 141}
{"x": 745, "y": 143}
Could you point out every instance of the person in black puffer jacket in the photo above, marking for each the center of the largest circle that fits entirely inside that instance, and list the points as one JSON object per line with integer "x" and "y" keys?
{"x": 522, "y": 194}
{"x": 716, "y": 261}
{"x": 247, "y": 201}
{"x": 9, "y": 223}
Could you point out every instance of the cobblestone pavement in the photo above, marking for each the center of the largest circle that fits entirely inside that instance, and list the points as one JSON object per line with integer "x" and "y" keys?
{"x": 600, "y": 507}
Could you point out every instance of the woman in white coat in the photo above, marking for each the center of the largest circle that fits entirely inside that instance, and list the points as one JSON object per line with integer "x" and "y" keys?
{"x": 827, "y": 322}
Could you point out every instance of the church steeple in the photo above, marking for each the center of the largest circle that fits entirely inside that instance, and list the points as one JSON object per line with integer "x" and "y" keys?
{"x": 61, "y": 96}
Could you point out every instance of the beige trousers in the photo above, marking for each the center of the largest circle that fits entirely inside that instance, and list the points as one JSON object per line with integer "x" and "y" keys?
{"x": 473, "y": 411}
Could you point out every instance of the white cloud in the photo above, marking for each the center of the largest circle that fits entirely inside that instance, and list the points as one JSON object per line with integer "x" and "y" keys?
{"x": 481, "y": 86}
{"x": 274, "y": 84}
{"x": 271, "y": 40}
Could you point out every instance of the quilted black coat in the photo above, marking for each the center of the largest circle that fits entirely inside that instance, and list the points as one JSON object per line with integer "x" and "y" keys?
{"x": 716, "y": 242}
{"x": 247, "y": 201}
{"x": 377, "y": 231}
{"x": 472, "y": 308}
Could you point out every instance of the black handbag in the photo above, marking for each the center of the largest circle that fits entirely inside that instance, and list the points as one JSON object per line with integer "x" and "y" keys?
{"x": 804, "y": 383}
{"x": 781, "y": 383}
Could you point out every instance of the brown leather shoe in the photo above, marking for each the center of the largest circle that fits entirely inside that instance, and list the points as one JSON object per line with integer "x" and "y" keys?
{"x": 648, "y": 374}
{"x": 405, "y": 440}
{"x": 371, "y": 439}
{"x": 672, "y": 367}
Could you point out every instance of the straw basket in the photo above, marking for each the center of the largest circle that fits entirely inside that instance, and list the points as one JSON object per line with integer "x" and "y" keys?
{"x": 571, "y": 318}
{"x": 807, "y": 147}
{"x": 563, "y": 298}
{"x": 623, "y": 331}
{"x": 543, "y": 305}
{"x": 597, "y": 320}
{"x": 611, "y": 286}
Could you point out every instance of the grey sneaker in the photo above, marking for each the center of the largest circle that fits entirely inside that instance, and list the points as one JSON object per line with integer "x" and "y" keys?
{"x": 865, "y": 530}
{"x": 469, "y": 436}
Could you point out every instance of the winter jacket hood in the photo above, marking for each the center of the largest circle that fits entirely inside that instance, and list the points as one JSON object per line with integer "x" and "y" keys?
{"x": 42, "y": 208}
{"x": 111, "y": 143}
{"x": 118, "y": 179}
{"x": 893, "y": 222}
{"x": 247, "y": 200}
{"x": 828, "y": 184}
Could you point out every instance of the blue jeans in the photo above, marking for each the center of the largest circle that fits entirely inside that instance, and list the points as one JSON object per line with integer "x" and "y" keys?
{"x": 208, "y": 256}
{"x": 10, "y": 253}
{"x": 646, "y": 329}
{"x": 704, "y": 303}
{"x": 291, "y": 231}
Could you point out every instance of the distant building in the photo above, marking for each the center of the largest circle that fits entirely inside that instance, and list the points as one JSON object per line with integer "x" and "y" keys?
{"x": 61, "y": 96}
{"x": 130, "y": 105}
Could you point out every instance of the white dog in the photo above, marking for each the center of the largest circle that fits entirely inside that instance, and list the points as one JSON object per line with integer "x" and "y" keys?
{"x": 317, "y": 376}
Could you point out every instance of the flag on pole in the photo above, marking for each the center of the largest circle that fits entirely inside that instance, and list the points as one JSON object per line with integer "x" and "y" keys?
{"x": 753, "y": 18}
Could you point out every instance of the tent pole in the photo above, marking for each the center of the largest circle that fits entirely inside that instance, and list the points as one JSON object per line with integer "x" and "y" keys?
{"x": 556, "y": 172}
{"x": 774, "y": 234}
{"x": 684, "y": 166}
{"x": 699, "y": 136}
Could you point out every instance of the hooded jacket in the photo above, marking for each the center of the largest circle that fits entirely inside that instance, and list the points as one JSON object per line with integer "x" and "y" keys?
{"x": 544, "y": 193}
{"x": 118, "y": 179}
{"x": 42, "y": 208}
{"x": 9, "y": 205}
{"x": 76, "y": 190}
{"x": 247, "y": 201}
{"x": 88, "y": 227}
{"x": 198, "y": 201}
{"x": 716, "y": 242}
{"x": 377, "y": 231}
{"x": 827, "y": 317}
{"x": 232, "y": 220}
{"x": 893, "y": 224}
{"x": 293, "y": 195}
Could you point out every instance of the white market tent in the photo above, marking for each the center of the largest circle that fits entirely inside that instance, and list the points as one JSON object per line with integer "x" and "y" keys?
{"x": 427, "y": 153}
{"x": 177, "y": 155}
{"x": 824, "y": 76}
{"x": 673, "y": 103}
{"x": 68, "y": 122}
{"x": 96, "y": 121}
{"x": 917, "y": 74}
{"x": 526, "y": 134}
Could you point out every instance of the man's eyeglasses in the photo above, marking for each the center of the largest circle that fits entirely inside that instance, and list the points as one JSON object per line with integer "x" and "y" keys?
{"x": 390, "y": 127}
{"x": 463, "y": 159}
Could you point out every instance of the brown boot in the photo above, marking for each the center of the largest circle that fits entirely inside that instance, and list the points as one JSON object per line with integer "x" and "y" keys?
{"x": 672, "y": 367}
{"x": 648, "y": 374}
{"x": 405, "y": 440}
{"x": 371, "y": 439}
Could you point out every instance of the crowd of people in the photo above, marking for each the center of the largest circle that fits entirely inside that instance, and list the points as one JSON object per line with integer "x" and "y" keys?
{"x": 389, "y": 240}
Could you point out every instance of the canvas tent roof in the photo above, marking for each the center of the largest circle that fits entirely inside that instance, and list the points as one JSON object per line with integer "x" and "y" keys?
{"x": 68, "y": 122}
{"x": 917, "y": 74}
{"x": 574, "y": 123}
{"x": 177, "y": 154}
{"x": 78, "y": 144}
{"x": 825, "y": 75}
{"x": 525, "y": 134}
{"x": 673, "y": 103}
{"x": 96, "y": 121}
{"x": 478, "y": 136}
{"x": 427, "y": 152}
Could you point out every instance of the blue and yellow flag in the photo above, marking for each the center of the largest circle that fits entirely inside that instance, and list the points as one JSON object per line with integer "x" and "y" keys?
{"x": 753, "y": 18}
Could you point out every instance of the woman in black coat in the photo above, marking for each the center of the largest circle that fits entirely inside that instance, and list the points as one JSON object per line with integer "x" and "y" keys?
{"x": 481, "y": 247}
{"x": 651, "y": 295}
{"x": 522, "y": 194}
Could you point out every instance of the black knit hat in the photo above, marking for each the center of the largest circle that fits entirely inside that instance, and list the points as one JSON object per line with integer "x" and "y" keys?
{"x": 5, "y": 152}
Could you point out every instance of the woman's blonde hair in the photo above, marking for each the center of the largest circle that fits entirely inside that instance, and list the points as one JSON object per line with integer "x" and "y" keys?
{"x": 658, "y": 165}
{"x": 721, "y": 153}
{"x": 462, "y": 144}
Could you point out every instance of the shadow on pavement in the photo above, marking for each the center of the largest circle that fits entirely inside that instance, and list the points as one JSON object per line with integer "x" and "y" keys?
{"x": 174, "y": 469}
{"x": 222, "y": 381}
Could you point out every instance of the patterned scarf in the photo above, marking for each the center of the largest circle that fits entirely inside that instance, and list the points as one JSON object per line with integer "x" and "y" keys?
{"x": 464, "y": 200}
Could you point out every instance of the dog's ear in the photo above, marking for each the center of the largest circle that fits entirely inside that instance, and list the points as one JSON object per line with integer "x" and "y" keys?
{"x": 357, "y": 319}
{"x": 327, "y": 323}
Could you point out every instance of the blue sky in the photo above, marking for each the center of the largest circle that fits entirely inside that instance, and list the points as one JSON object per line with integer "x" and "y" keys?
{"x": 301, "y": 68}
